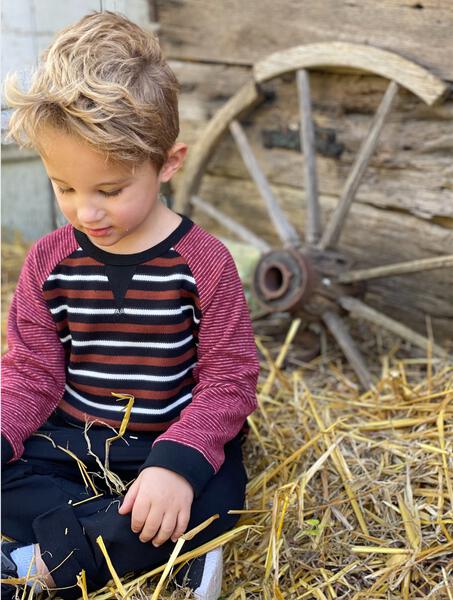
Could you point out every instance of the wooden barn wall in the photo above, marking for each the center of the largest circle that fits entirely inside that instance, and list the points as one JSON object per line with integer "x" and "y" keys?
{"x": 404, "y": 207}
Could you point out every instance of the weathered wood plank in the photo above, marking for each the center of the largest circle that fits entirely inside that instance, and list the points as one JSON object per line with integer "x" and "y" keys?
{"x": 307, "y": 143}
{"x": 360, "y": 310}
{"x": 239, "y": 32}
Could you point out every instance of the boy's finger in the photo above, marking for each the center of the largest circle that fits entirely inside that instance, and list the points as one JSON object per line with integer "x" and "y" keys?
{"x": 140, "y": 512}
{"x": 181, "y": 525}
{"x": 129, "y": 498}
{"x": 152, "y": 524}
{"x": 166, "y": 529}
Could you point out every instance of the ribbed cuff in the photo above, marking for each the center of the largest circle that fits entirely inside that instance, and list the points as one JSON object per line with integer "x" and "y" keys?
{"x": 7, "y": 451}
{"x": 184, "y": 460}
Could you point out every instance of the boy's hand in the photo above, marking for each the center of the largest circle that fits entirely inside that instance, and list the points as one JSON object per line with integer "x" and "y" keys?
{"x": 160, "y": 501}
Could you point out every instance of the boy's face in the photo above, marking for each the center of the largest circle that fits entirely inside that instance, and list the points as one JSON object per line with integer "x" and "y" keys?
{"x": 116, "y": 206}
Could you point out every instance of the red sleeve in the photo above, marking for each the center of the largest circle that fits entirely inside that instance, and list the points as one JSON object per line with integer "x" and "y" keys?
{"x": 226, "y": 372}
{"x": 33, "y": 369}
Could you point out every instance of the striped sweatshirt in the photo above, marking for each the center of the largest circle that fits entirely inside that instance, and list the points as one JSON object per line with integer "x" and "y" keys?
{"x": 169, "y": 326}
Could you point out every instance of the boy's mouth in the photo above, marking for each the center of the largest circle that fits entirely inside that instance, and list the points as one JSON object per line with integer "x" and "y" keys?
{"x": 100, "y": 232}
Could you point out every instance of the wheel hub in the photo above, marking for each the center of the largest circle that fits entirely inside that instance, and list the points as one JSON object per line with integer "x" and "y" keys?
{"x": 288, "y": 279}
{"x": 283, "y": 279}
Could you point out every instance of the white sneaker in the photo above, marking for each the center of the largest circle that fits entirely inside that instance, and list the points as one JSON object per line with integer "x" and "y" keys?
{"x": 204, "y": 575}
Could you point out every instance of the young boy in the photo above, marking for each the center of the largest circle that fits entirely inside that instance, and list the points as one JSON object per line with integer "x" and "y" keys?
{"x": 132, "y": 314}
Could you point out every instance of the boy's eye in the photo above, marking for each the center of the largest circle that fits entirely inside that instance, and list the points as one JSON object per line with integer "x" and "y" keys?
{"x": 106, "y": 194}
{"x": 110, "y": 194}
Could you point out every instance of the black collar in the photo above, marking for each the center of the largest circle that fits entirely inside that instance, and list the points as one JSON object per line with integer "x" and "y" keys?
{"x": 109, "y": 258}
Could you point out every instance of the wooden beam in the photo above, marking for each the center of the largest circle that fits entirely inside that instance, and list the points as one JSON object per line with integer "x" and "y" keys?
{"x": 392, "y": 66}
{"x": 361, "y": 310}
{"x": 411, "y": 266}
{"x": 224, "y": 220}
{"x": 284, "y": 229}
{"x": 335, "y": 225}
{"x": 340, "y": 332}
{"x": 307, "y": 142}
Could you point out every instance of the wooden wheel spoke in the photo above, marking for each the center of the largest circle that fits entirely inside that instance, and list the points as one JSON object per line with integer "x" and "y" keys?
{"x": 307, "y": 142}
{"x": 334, "y": 227}
{"x": 239, "y": 230}
{"x": 358, "y": 309}
{"x": 339, "y": 330}
{"x": 285, "y": 230}
{"x": 411, "y": 266}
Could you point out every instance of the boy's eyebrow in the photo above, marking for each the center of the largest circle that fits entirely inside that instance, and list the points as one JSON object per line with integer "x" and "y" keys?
{"x": 118, "y": 181}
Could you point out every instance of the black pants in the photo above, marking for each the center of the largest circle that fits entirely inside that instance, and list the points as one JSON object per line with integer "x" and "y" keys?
{"x": 41, "y": 492}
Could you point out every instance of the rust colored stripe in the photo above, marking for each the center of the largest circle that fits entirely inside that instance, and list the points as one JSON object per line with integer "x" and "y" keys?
{"x": 131, "y": 327}
{"x": 108, "y": 295}
{"x": 141, "y": 394}
{"x": 83, "y": 261}
{"x": 159, "y": 295}
{"x": 84, "y": 417}
{"x": 88, "y": 294}
{"x": 150, "y": 361}
{"x": 166, "y": 262}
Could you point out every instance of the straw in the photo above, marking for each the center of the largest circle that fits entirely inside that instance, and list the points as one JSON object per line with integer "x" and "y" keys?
{"x": 111, "y": 568}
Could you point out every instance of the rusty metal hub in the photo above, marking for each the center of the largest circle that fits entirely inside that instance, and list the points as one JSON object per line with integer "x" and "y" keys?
{"x": 290, "y": 279}
{"x": 283, "y": 279}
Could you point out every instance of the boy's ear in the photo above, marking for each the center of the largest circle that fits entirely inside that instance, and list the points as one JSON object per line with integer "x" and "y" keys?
{"x": 175, "y": 158}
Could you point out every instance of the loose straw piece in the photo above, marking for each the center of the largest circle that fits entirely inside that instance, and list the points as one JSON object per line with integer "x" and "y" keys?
{"x": 171, "y": 561}
{"x": 379, "y": 550}
{"x": 281, "y": 357}
{"x": 124, "y": 423}
{"x": 82, "y": 583}
{"x": 441, "y": 429}
{"x": 199, "y": 551}
{"x": 110, "y": 566}
{"x": 82, "y": 467}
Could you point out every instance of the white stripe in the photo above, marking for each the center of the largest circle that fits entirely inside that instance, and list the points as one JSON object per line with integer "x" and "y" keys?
{"x": 135, "y": 410}
{"x": 65, "y": 339}
{"x": 150, "y": 312}
{"x": 83, "y": 311}
{"x": 172, "y": 277}
{"x": 130, "y": 376}
{"x": 126, "y": 344}
{"x": 77, "y": 277}
{"x": 128, "y": 311}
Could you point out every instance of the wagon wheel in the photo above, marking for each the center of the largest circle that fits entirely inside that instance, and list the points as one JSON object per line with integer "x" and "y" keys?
{"x": 312, "y": 276}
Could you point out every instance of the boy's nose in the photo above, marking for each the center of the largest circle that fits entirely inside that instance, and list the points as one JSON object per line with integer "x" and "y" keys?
{"x": 88, "y": 212}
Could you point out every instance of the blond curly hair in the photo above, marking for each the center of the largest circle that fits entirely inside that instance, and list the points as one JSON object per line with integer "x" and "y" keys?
{"x": 103, "y": 79}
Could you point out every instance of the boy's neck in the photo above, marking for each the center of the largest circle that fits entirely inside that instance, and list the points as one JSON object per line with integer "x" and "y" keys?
{"x": 164, "y": 222}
